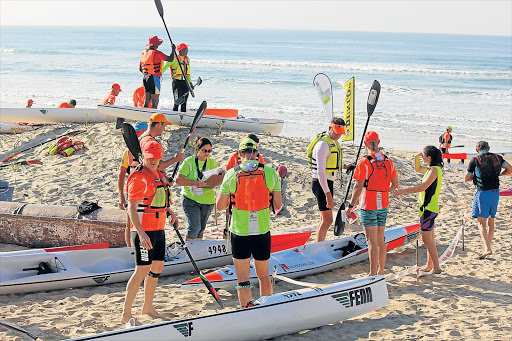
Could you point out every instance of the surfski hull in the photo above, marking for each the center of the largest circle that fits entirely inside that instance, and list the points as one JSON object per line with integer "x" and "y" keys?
{"x": 91, "y": 267}
{"x": 53, "y": 115}
{"x": 251, "y": 125}
{"x": 294, "y": 310}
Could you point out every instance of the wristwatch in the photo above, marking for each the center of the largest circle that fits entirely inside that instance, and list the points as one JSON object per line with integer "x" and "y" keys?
{"x": 350, "y": 206}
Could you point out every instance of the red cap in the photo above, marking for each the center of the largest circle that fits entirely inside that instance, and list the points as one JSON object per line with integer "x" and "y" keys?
{"x": 154, "y": 41}
{"x": 182, "y": 46}
{"x": 152, "y": 150}
{"x": 30, "y": 101}
{"x": 371, "y": 135}
{"x": 117, "y": 86}
{"x": 282, "y": 171}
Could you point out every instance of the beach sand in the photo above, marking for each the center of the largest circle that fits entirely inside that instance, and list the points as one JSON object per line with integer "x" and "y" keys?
{"x": 469, "y": 300}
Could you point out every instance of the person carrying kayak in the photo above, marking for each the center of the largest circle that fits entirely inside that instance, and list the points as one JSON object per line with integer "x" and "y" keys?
{"x": 139, "y": 97}
{"x": 484, "y": 170}
{"x": 29, "y": 103}
{"x": 445, "y": 141}
{"x": 150, "y": 65}
{"x": 375, "y": 176}
{"x": 110, "y": 98}
{"x": 198, "y": 196}
{"x": 69, "y": 104}
{"x": 157, "y": 124}
{"x": 250, "y": 189}
{"x": 234, "y": 159}
{"x": 179, "y": 85}
{"x": 128, "y": 165}
{"x": 428, "y": 200}
{"x": 148, "y": 208}
{"x": 325, "y": 159}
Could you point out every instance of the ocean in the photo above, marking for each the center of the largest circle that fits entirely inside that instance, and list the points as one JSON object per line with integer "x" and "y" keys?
{"x": 429, "y": 81}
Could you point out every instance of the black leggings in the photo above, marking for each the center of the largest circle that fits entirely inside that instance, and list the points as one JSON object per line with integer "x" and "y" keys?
{"x": 179, "y": 88}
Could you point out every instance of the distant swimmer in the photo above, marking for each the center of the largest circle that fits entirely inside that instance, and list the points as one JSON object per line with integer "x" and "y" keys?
{"x": 111, "y": 97}
{"x": 139, "y": 97}
{"x": 29, "y": 103}
{"x": 179, "y": 87}
{"x": 69, "y": 104}
{"x": 485, "y": 170}
{"x": 150, "y": 65}
{"x": 445, "y": 141}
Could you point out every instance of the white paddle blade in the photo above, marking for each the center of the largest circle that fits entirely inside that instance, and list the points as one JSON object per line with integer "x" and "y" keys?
{"x": 323, "y": 85}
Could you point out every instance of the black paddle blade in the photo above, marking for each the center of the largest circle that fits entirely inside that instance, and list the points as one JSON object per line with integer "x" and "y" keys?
{"x": 181, "y": 99}
{"x": 339, "y": 224}
{"x": 159, "y": 7}
{"x": 119, "y": 122}
{"x": 199, "y": 114}
{"x": 373, "y": 97}
{"x": 131, "y": 140}
{"x": 199, "y": 81}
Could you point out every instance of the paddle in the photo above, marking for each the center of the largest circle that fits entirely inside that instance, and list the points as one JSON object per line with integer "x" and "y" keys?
{"x": 373, "y": 97}
{"x": 182, "y": 99}
{"x": 160, "y": 9}
{"x": 461, "y": 146}
{"x": 8, "y": 325}
{"x": 21, "y": 163}
{"x": 208, "y": 285}
{"x": 197, "y": 118}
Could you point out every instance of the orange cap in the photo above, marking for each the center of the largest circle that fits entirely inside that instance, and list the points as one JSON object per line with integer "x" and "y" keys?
{"x": 152, "y": 150}
{"x": 159, "y": 118}
{"x": 182, "y": 46}
{"x": 117, "y": 86}
{"x": 31, "y": 101}
{"x": 338, "y": 129}
{"x": 371, "y": 135}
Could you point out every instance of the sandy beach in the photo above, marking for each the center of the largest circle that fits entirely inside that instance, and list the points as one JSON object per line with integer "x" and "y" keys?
{"x": 469, "y": 300}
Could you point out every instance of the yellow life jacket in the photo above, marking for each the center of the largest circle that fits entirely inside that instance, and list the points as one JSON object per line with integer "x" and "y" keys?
{"x": 333, "y": 163}
{"x": 176, "y": 70}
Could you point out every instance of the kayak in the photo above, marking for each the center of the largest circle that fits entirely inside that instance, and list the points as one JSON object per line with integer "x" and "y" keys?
{"x": 506, "y": 192}
{"x": 53, "y": 115}
{"x": 16, "y": 128}
{"x": 57, "y": 249}
{"x": 271, "y": 316}
{"x": 465, "y": 156}
{"x": 313, "y": 258}
{"x": 40, "y": 271}
{"x": 239, "y": 123}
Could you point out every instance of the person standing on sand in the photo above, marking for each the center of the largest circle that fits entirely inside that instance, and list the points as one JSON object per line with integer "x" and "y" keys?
{"x": 128, "y": 165}
{"x": 179, "y": 85}
{"x": 445, "y": 141}
{"x": 484, "y": 170}
{"x": 111, "y": 97}
{"x": 375, "y": 176}
{"x": 157, "y": 123}
{"x": 69, "y": 104}
{"x": 428, "y": 200}
{"x": 29, "y": 103}
{"x": 325, "y": 159}
{"x": 248, "y": 187}
{"x": 150, "y": 65}
{"x": 148, "y": 208}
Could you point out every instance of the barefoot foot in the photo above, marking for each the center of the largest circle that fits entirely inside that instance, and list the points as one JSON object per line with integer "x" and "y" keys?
{"x": 485, "y": 254}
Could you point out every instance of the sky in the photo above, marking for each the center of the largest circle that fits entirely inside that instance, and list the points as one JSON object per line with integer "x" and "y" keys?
{"x": 434, "y": 16}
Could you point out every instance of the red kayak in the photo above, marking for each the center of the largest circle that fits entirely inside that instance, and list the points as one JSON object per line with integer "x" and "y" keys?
{"x": 506, "y": 192}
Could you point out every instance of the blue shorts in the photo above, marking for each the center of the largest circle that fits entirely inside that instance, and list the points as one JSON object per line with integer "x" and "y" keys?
{"x": 197, "y": 215}
{"x": 374, "y": 217}
{"x": 485, "y": 203}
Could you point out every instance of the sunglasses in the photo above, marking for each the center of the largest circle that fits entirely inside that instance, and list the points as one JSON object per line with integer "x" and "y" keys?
{"x": 206, "y": 150}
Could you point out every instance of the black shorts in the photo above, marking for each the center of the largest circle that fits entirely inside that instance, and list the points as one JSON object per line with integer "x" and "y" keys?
{"x": 144, "y": 256}
{"x": 320, "y": 195}
{"x": 150, "y": 86}
{"x": 244, "y": 246}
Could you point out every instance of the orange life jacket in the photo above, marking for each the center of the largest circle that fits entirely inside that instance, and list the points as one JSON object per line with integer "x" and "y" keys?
{"x": 251, "y": 192}
{"x": 63, "y": 105}
{"x": 149, "y": 67}
{"x": 152, "y": 210}
{"x": 380, "y": 175}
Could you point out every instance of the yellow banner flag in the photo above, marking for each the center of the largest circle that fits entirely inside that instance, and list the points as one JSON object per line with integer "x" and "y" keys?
{"x": 349, "y": 106}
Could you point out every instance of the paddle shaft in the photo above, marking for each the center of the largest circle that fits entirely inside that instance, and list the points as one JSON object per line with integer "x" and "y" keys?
{"x": 160, "y": 9}
{"x": 15, "y": 328}
{"x": 21, "y": 163}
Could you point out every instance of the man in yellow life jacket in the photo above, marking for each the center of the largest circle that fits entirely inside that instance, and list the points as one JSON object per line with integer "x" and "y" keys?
{"x": 250, "y": 188}
{"x": 148, "y": 208}
{"x": 325, "y": 160}
{"x": 179, "y": 85}
{"x": 150, "y": 65}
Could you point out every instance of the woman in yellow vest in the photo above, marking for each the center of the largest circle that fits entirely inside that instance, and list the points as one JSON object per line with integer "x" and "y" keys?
{"x": 179, "y": 87}
{"x": 324, "y": 158}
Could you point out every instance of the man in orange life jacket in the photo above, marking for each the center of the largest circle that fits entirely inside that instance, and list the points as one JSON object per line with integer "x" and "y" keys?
{"x": 70, "y": 104}
{"x": 110, "y": 98}
{"x": 485, "y": 170}
{"x": 445, "y": 141}
{"x": 250, "y": 188}
{"x": 150, "y": 65}
{"x": 179, "y": 85}
{"x": 148, "y": 208}
{"x": 157, "y": 123}
{"x": 375, "y": 176}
